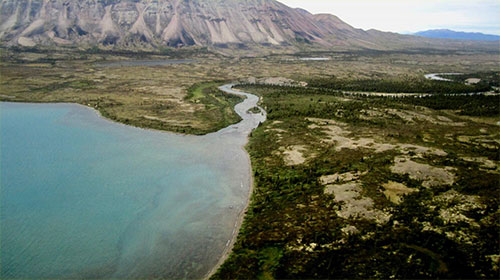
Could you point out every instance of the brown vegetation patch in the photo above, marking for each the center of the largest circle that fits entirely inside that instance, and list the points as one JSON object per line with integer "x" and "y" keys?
{"x": 339, "y": 178}
{"x": 484, "y": 162}
{"x": 412, "y": 116}
{"x": 395, "y": 191}
{"x": 293, "y": 155}
{"x": 444, "y": 119}
{"x": 482, "y": 140}
{"x": 280, "y": 81}
{"x": 7, "y": 96}
{"x": 421, "y": 150}
{"x": 175, "y": 122}
{"x": 430, "y": 175}
{"x": 278, "y": 130}
{"x": 472, "y": 81}
{"x": 353, "y": 205}
{"x": 453, "y": 210}
{"x": 337, "y": 133}
{"x": 370, "y": 114}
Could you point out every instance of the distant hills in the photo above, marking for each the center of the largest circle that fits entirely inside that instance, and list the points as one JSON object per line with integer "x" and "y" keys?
{"x": 147, "y": 24}
{"x": 450, "y": 34}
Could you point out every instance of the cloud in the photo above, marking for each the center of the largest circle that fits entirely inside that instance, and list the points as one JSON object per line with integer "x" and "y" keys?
{"x": 410, "y": 15}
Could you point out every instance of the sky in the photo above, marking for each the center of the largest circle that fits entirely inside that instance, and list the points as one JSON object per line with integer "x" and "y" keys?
{"x": 407, "y": 16}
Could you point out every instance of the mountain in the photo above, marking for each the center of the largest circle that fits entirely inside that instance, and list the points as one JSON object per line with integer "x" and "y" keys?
{"x": 158, "y": 22}
{"x": 450, "y": 34}
{"x": 176, "y": 23}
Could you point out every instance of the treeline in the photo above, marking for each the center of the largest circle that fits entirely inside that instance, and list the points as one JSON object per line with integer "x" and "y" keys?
{"x": 470, "y": 105}
{"x": 408, "y": 85}
{"x": 288, "y": 102}
{"x": 489, "y": 78}
{"x": 280, "y": 90}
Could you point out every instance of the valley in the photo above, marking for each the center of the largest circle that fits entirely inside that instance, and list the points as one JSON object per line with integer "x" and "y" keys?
{"x": 183, "y": 98}
{"x": 349, "y": 182}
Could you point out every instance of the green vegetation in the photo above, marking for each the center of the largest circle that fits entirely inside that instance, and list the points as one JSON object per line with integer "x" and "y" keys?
{"x": 148, "y": 97}
{"x": 489, "y": 78}
{"x": 199, "y": 91}
{"x": 155, "y": 96}
{"x": 408, "y": 85}
{"x": 384, "y": 222}
{"x": 475, "y": 105}
{"x": 299, "y": 227}
{"x": 469, "y": 105}
{"x": 218, "y": 105}
{"x": 254, "y": 110}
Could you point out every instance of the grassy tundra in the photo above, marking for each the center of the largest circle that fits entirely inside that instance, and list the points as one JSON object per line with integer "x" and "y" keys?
{"x": 346, "y": 185}
{"x": 370, "y": 187}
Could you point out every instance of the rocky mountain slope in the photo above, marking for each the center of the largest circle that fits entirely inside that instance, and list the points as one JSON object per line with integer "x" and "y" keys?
{"x": 177, "y": 23}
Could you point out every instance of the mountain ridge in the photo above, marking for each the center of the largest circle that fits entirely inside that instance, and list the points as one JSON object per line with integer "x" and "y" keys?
{"x": 457, "y": 35}
{"x": 131, "y": 24}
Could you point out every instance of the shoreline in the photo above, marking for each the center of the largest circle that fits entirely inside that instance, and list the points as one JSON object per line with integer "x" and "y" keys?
{"x": 236, "y": 229}
{"x": 98, "y": 113}
{"x": 227, "y": 88}
{"x": 241, "y": 216}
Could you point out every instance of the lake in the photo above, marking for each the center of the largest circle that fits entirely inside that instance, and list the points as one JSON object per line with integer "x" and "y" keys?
{"x": 84, "y": 197}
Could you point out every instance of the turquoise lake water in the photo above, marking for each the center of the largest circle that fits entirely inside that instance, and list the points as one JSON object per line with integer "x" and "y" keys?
{"x": 83, "y": 197}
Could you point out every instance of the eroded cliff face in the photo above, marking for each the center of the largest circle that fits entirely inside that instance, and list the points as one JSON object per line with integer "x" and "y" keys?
{"x": 150, "y": 24}
{"x": 157, "y": 23}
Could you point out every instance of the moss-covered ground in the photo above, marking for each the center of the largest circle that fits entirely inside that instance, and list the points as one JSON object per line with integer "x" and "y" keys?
{"x": 365, "y": 187}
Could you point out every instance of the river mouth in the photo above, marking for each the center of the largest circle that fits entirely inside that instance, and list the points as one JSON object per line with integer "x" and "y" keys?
{"x": 84, "y": 197}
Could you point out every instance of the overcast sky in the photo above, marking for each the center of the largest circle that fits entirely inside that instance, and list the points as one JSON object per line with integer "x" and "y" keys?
{"x": 410, "y": 15}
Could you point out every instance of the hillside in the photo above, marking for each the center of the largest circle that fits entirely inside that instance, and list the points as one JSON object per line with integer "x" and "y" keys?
{"x": 172, "y": 23}
{"x": 145, "y": 24}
